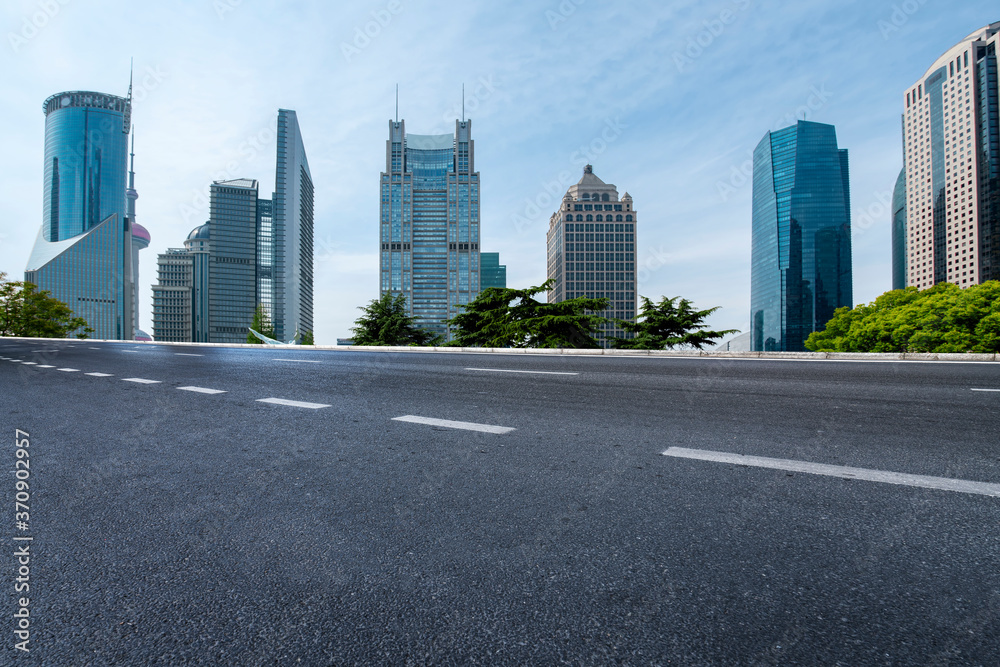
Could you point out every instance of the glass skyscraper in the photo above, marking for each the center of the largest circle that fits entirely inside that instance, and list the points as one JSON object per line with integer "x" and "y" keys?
{"x": 951, "y": 142}
{"x": 286, "y": 236}
{"x": 801, "y": 256}
{"x": 899, "y": 232}
{"x": 429, "y": 230}
{"x": 232, "y": 260}
{"x": 591, "y": 249}
{"x": 491, "y": 272}
{"x": 83, "y": 253}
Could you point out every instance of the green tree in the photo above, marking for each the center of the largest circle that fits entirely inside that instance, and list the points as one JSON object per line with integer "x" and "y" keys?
{"x": 26, "y": 312}
{"x": 307, "y": 338}
{"x": 385, "y": 322}
{"x": 943, "y": 318}
{"x": 261, "y": 324}
{"x": 504, "y": 317}
{"x": 668, "y": 324}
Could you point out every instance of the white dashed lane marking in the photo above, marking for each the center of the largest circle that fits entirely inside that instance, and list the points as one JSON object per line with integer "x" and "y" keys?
{"x": 447, "y": 423}
{"x": 202, "y": 390}
{"x": 99, "y": 375}
{"x": 69, "y": 370}
{"x": 187, "y": 354}
{"x": 294, "y": 404}
{"x": 501, "y": 370}
{"x": 140, "y": 380}
{"x": 998, "y": 390}
{"x": 866, "y": 474}
{"x": 45, "y": 366}
{"x": 299, "y": 361}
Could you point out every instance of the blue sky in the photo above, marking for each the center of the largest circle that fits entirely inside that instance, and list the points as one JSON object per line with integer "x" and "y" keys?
{"x": 665, "y": 99}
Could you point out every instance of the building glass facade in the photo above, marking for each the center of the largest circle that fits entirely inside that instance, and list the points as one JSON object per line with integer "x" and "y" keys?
{"x": 801, "y": 256}
{"x": 287, "y": 286}
{"x": 899, "y": 232}
{"x": 83, "y": 253}
{"x": 172, "y": 297}
{"x": 591, "y": 247}
{"x": 429, "y": 223}
{"x": 232, "y": 265}
{"x": 951, "y": 143}
{"x": 491, "y": 272}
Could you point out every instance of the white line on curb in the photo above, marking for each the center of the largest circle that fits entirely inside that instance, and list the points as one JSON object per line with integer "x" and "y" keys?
{"x": 447, "y": 423}
{"x": 501, "y": 370}
{"x": 866, "y": 474}
{"x": 294, "y": 404}
{"x": 202, "y": 390}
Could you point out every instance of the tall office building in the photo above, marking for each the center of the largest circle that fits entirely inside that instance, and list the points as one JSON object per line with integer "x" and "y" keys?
{"x": 286, "y": 260}
{"x": 951, "y": 140}
{"x": 801, "y": 256}
{"x": 232, "y": 260}
{"x": 140, "y": 239}
{"x": 172, "y": 297}
{"x": 899, "y": 232}
{"x": 591, "y": 249}
{"x": 83, "y": 253}
{"x": 429, "y": 231}
{"x": 180, "y": 297}
{"x": 491, "y": 272}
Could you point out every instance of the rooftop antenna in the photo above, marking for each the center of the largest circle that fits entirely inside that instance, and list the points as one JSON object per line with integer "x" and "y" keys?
{"x": 397, "y": 102}
{"x": 463, "y": 102}
{"x": 127, "y": 120}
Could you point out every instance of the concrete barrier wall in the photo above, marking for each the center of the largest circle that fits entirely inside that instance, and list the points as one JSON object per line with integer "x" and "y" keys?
{"x": 813, "y": 356}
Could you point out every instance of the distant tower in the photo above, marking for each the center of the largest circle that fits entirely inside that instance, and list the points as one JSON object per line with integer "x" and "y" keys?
{"x": 591, "y": 249}
{"x": 429, "y": 229}
{"x": 951, "y": 143}
{"x": 140, "y": 238}
{"x": 801, "y": 245}
{"x": 83, "y": 253}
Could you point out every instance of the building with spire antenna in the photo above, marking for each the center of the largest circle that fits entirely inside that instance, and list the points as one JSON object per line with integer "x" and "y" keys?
{"x": 140, "y": 239}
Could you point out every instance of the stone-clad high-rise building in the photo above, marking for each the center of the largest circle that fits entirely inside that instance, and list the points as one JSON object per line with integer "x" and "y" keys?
{"x": 951, "y": 141}
{"x": 429, "y": 222}
{"x": 801, "y": 267}
{"x": 591, "y": 249}
{"x": 83, "y": 253}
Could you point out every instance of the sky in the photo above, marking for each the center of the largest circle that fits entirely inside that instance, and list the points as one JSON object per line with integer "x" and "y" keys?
{"x": 665, "y": 99}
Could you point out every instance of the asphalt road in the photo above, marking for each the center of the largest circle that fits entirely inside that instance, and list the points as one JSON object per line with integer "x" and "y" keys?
{"x": 172, "y": 526}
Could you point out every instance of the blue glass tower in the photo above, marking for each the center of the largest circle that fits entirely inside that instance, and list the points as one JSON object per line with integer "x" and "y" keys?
{"x": 83, "y": 253}
{"x": 801, "y": 257}
{"x": 899, "y": 232}
{"x": 429, "y": 230}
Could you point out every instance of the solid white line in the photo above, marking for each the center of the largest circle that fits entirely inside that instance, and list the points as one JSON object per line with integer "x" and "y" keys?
{"x": 100, "y": 375}
{"x": 140, "y": 380}
{"x": 69, "y": 370}
{"x": 501, "y": 370}
{"x": 187, "y": 354}
{"x": 447, "y": 423}
{"x": 299, "y": 361}
{"x": 986, "y": 390}
{"x": 866, "y": 474}
{"x": 294, "y": 404}
{"x": 202, "y": 390}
